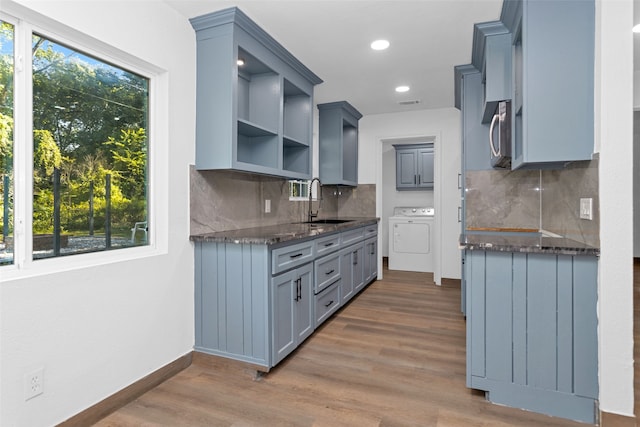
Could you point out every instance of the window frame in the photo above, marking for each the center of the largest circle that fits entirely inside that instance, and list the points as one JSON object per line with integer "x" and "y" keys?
{"x": 26, "y": 23}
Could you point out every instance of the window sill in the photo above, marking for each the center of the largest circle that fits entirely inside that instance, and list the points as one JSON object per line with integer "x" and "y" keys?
{"x": 55, "y": 265}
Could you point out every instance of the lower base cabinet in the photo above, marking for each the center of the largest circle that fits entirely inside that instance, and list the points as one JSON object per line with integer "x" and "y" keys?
{"x": 532, "y": 331}
{"x": 370, "y": 259}
{"x": 352, "y": 266}
{"x": 292, "y": 310}
{"x": 327, "y": 303}
{"x": 256, "y": 303}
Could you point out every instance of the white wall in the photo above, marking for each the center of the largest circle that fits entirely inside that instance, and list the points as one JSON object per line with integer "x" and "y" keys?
{"x": 98, "y": 329}
{"x": 614, "y": 107}
{"x": 444, "y": 124}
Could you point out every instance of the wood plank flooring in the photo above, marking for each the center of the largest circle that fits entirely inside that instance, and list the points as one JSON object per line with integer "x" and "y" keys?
{"x": 395, "y": 356}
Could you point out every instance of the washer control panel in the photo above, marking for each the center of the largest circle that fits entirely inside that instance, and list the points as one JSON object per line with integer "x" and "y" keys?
{"x": 413, "y": 211}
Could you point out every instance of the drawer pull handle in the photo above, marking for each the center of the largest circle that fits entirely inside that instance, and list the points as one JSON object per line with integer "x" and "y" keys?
{"x": 298, "y": 289}
{"x": 295, "y": 256}
{"x": 329, "y": 303}
{"x": 326, "y": 245}
{"x": 329, "y": 272}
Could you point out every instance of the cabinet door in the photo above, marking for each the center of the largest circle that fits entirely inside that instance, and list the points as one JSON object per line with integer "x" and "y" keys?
{"x": 370, "y": 257}
{"x": 357, "y": 265}
{"x": 406, "y": 168}
{"x": 475, "y": 135}
{"x": 292, "y": 306}
{"x": 284, "y": 294}
{"x": 425, "y": 167}
{"x": 304, "y": 306}
{"x": 347, "y": 274}
{"x": 497, "y": 85}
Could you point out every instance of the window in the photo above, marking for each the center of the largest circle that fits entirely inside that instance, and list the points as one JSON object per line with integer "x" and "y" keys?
{"x": 298, "y": 190}
{"x": 88, "y": 129}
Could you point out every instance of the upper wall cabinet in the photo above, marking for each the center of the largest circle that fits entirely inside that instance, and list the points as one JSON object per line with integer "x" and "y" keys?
{"x": 475, "y": 134}
{"x": 491, "y": 54}
{"x": 338, "y": 143}
{"x": 553, "y": 81}
{"x": 414, "y": 166}
{"x": 254, "y": 99}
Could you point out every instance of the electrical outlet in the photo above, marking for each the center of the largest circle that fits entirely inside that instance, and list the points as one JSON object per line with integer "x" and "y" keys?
{"x": 267, "y": 206}
{"x": 34, "y": 383}
{"x": 586, "y": 208}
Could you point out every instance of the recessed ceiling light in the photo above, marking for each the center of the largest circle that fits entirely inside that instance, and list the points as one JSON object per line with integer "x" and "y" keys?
{"x": 240, "y": 62}
{"x": 402, "y": 89}
{"x": 380, "y": 44}
{"x": 636, "y": 28}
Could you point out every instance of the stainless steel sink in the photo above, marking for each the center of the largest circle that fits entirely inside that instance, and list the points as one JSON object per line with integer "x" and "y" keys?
{"x": 328, "y": 221}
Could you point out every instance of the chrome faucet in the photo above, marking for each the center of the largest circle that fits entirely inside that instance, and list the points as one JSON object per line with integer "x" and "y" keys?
{"x": 311, "y": 214}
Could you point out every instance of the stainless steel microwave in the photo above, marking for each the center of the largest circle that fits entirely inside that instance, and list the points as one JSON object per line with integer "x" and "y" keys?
{"x": 500, "y": 136}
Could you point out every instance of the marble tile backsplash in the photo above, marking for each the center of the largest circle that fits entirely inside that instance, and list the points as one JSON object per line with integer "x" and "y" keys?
{"x": 561, "y": 193}
{"x": 536, "y": 199}
{"x": 503, "y": 199}
{"x": 228, "y": 200}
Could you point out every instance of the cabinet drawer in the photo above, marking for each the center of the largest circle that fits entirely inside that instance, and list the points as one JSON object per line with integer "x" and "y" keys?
{"x": 327, "y": 303}
{"x": 351, "y": 236}
{"x": 371, "y": 230}
{"x": 327, "y": 271}
{"x": 291, "y": 256}
{"x": 326, "y": 245}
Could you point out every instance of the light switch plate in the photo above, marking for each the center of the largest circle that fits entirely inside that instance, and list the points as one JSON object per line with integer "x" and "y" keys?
{"x": 267, "y": 206}
{"x": 586, "y": 208}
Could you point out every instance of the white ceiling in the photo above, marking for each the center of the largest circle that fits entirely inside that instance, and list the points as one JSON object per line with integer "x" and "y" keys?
{"x": 332, "y": 37}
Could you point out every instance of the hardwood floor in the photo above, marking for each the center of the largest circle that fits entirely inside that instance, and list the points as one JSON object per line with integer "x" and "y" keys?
{"x": 636, "y": 336}
{"x": 395, "y": 356}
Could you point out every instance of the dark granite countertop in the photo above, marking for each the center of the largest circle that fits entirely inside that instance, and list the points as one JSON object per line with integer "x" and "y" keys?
{"x": 524, "y": 242}
{"x": 274, "y": 234}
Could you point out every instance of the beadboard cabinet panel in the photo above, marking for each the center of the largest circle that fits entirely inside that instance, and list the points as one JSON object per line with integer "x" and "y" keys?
{"x": 231, "y": 301}
{"x": 531, "y": 331}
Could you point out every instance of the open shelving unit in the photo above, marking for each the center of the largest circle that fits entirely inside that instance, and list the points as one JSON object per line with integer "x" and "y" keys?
{"x": 254, "y": 100}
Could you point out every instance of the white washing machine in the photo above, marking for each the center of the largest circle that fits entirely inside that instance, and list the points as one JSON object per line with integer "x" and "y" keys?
{"x": 410, "y": 239}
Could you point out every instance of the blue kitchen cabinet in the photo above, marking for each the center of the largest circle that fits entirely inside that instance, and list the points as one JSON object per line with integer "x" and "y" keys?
{"x": 370, "y": 261}
{"x": 491, "y": 55}
{"x": 338, "y": 143}
{"x": 475, "y": 134}
{"x": 352, "y": 267}
{"x": 254, "y": 99}
{"x": 532, "y": 331}
{"x": 232, "y": 286}
{"x": 256, "y": 303}
{"x": 414, "y": 166}
{"x": 292, "y": 310}
{"x": 553, "y": 81}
